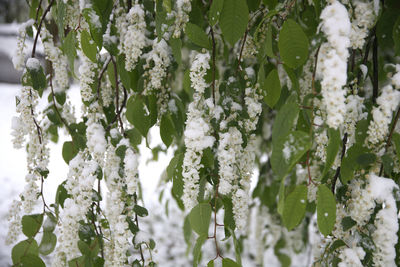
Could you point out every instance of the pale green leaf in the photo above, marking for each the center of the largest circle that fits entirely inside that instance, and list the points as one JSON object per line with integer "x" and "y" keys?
{"x": 226, "y": 262}
{"x": 332, "y": 149}
{"x": 215, "y": 11}
{"x": 199, "y": 218}
{"x": 48, "y": 243}
{"x": 326, "y": 210}
{"x": 31, "y": 224}
{"x": 295, "y": 207}
{"x": 88, "y": 46}
{"x": 167, "y": 130}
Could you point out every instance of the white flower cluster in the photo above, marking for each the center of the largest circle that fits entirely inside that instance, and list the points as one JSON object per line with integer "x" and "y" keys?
{"x": 396, "y": 77}
{"x": 86, "y": 77}
{"x": 197, "y": 132}
{"x": 134, "y": 39}
{"x": 351, "y": 257}
{"x": 80, "y": 180}
{"x": 18, "y": 58}
{"x": 58, "y": 59}
{"x": 354, "y": 113}
{"x": 96, "y": 141}
{"x": 387, "y": 102}
{"x": 362, "y": 204}
{"x": 14, "y": 219}
{"x": 332, "y": 61}
{"x": 386, "y": 221}
{"x": 120, "y": 235}
{"x": 235, "y": 162}
{"x": 364, "y": 18}
{"x": 229, "y": 151}
{"x": 157, "y": 62}
{"x": 131, "y": 163}
{"x": 183, "y": 8}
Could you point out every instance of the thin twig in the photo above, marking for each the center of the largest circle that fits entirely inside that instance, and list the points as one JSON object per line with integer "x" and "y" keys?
{"x": 389, "y": 139}
{"x": 375, "y": 80}
{"x": 118, "y": 111}
{"x": 40, "y": 26}
{"x": 101, "y": 76}
{"x": 213, "y": 63}
{"x": 344, "y": 141}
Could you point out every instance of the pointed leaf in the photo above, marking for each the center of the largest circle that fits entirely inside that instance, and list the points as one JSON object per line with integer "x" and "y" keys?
{"x": 199, "y": 218}
{"x": 326, "y": 210}
{"x": 295, "y": 207}
{"x": 293, "y": 44}
{"x": 233, "y": 20}
{"x": 272, "y": 88}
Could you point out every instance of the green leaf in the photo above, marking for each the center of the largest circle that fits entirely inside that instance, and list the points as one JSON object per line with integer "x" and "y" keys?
{"x": 226, "y": 262}
{"x": 396, "y": 141}
{"x": 88, "y": 46}
{"x": 336, "y": 244}
{"x": 347, "y": 223}
{"x": 197, "y": 250}
{"x": 176, "y": 47}
{"x": 332, "y": 149}
{"x": 285, "y": 120}
{"x": 199, "y": 218}
{"x": 30, "y": 260}
{"x": 210, "y": 263}
{"x": 208, "y": 158}
{"x": 38, "y": 80}
{"x": 187, "y": 230}
{"x": 25, "y": 247}
{"x": 233, "y": 20}
{"x": 272, "y": 88}
{"x": 288, "y": 150}
{"x": 48, "y": 243}
{"x": 31, "y": 224}
{"x": 197, "y": 35}
{"x": 140, "y": 211}
{"x": 326, "y": 210}
{"x": 134, "y": 136}
{"x": 137, "y": 115}
{"x": 69, "y": 151}
{"x": 388, "y": 163}
{"x": 167, "y": 130}
{"x": 295, "y": 207}
{"x": 352, "y": 161}
{"x": 366, "y": 159}
{"x": 268, "y": 43}
{"x": 215, "y": 11}
{"x": 293, "y": 44}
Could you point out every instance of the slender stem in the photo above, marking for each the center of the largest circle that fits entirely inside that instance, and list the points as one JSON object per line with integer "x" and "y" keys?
{"x": 137, "y": 224}
{"x": 241, "y": 50}
{"x": 101, "y": 76}
{"x": 389, "y": 139}
{"x": 344, "y": 141}
{"x": 117, "y": 110}
{"x": 40, "y": 26}
{"x": 213, "y": 63}
{"x": 375, "y": 80}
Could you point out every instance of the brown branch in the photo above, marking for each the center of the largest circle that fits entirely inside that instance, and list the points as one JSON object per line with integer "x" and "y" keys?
{"x": 214, "y": 236}
{"x": 137, "y": 224}
{"x": 375, "y": 80}
{"x": 40, "y": 27}
{"x": 118, "y": 111}
{"x": 213, "y": 63}
{"x": 101, "y": 76}
{"x": 241, "y": 50}
{"x": 344, "y": 141}
{"x": 389, "y": 139}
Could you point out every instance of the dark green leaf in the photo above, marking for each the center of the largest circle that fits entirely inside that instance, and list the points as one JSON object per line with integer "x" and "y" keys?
{"x": 233, "y": 20}
{"x": 26, "y": 247}
{"x": 285, "y": 120}
{"x": 31, "y": 224}
{"x": 272, "y": 88}
{"x": 176, "y": 47}
{"x": 197, "y": 250}
{"x": 69, "y": 151}
{"x": 30, "y": 260}
{"x": 137, "y": 115}
{"x": 215, "y": 11}
{"x": 293, "y": 44}
{"x": 332, "y": 149}
{"x": 140, "y": 211}
{"x": 226, "y": 262}
{"x": 197, "y": 35}
{"x": 167, "y": 130}
{"x": 347, "y": 223}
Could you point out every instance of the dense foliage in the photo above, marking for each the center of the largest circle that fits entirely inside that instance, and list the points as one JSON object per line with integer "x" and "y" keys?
{"x": 306, "y": 92}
